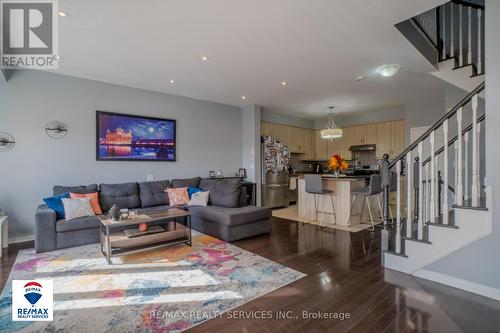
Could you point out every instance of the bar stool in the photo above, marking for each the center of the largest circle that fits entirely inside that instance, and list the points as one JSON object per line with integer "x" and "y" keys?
{"x": 373, "y": 190}
{"x": 314, "y": 186}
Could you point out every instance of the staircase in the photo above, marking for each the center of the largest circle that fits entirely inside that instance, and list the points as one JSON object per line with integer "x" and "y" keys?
{"x": 451, "y": 37}
{"x": 442, "y": 203}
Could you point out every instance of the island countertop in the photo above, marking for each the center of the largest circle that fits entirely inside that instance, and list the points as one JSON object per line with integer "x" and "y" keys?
{"x": 342, "y": 188}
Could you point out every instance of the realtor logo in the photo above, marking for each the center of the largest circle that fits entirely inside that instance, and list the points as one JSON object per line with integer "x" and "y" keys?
{"x": 28, "y": 34}
{"x": 32, "y": 300}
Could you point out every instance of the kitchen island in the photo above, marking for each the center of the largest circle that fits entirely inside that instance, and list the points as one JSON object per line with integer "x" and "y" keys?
{"x": 342, "y": 198}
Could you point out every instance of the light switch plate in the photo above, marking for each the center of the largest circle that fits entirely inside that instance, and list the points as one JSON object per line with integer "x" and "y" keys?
{"x": 150, "y": 178}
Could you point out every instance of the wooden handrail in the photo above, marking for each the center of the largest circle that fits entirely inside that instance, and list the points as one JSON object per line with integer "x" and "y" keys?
{"x": 434, "y": 127}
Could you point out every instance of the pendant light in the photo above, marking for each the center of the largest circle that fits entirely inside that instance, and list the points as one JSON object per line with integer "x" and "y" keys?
{"x": 331, "y": 131}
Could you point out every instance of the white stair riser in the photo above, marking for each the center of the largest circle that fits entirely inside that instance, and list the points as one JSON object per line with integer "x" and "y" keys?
{"x": 458, "y": 77}
{"x": 473, "y": 225}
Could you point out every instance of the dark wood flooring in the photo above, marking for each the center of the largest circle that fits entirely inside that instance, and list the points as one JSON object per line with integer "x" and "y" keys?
{"x": 343, "y": 276}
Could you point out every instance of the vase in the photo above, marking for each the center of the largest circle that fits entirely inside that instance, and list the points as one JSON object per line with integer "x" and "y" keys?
{"x": 114, "y": 212}
{"x": 336, "y": 173}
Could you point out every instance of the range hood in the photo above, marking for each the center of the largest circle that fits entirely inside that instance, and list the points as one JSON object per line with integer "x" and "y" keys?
{"x": 363, "y": 148}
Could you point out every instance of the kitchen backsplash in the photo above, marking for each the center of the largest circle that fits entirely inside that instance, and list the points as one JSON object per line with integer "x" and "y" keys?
{"x": 300, "y": 166}
{"x": 364, "y": 157}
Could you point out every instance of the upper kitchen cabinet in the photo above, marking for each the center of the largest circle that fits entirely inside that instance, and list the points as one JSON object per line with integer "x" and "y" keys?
{"x": 390, "y": 138}
{"x": 299, "y": 140}
{"x": 398, "y": 137}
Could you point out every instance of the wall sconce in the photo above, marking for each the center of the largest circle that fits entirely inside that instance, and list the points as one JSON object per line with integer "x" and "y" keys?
{"x": 56, "y": 129}
{"x": 7, "y": 141}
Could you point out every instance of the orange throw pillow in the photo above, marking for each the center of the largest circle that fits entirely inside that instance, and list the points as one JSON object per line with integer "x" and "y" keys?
{"x": 94, "y": 200}
{"x": 178, "y": 196}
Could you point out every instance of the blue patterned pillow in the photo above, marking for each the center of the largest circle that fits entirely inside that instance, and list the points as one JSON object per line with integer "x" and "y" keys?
{"x": 56, "y": 204}
{"x": 192, "y": 190}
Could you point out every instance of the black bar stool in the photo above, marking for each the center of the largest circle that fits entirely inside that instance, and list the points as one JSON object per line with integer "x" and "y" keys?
{"x": 314, "y": 186}
{"x": 373, "y": 189}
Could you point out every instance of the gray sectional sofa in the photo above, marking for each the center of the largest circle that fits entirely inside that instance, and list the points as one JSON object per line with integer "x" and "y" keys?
{"x": 226, "y": 217}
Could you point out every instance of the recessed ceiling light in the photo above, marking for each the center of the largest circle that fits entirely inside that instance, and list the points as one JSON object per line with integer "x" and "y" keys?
{"x": 63, "y": 14}
{"x": 284, "y": 83}
{"x": 204, "y": 58}
{"x": 388, "y": 70}
{"x": 243, "y": 97}
{"x": 172, "y": 81}
{"x": 358, "y": 78}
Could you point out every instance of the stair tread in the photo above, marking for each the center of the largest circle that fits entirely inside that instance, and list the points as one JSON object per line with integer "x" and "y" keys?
{"x": 396, "y": 254}
{"x": 439, "y": 221}
{"x": 467, "y": 204}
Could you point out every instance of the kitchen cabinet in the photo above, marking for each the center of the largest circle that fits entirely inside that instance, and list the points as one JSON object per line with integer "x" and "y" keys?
{"x": 299, "y": 140}
{"x": 389, "y": 137}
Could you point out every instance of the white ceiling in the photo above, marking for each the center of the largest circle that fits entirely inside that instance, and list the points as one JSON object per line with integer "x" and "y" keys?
{"x": 317, "y": 46}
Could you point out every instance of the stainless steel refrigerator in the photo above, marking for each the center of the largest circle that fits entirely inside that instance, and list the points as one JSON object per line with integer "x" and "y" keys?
{"x": 275, "y": 178}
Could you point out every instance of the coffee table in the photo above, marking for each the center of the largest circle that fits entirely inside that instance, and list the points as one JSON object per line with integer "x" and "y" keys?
{"x": 114, "y": 242}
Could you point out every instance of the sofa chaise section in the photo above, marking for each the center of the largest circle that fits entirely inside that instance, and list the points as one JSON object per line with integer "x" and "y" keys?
{"x": 231, "y": 224}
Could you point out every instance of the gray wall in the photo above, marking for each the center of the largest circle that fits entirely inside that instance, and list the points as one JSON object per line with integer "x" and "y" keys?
{"x": 478, "y": 262}
{"x": 278, "y": 118}
{"x": 209, "y": 137}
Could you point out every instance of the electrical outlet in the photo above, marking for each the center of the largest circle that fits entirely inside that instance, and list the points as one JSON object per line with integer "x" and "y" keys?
{"x": 150, "y": 178}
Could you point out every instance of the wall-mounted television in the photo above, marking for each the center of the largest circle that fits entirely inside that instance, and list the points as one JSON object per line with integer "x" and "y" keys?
{"x": 125, "y": 137}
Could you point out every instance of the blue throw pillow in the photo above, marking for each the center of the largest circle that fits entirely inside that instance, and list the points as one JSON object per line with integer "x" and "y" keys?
{"x": 192, "y": 190}
{"x": 56, "y": 204}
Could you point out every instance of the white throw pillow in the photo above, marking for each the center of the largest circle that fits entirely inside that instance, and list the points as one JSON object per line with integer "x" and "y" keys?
{"x": 75, "y": 208}
{"x": 199, "y": 199}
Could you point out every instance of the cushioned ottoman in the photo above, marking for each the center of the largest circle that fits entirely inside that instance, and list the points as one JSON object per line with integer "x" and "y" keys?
{"x": 231, "y": 224}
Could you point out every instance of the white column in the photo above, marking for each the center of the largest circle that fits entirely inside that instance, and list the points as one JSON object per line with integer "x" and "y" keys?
{"x": 460, "y": 190}
{"x": 420, "y": 193}
{"x": 455, "y": 146}
{"x": 475, "y": 154}
{"x": 478, "y": 163}
{"x": 445, "y": 172}
{"x": 398, "y": 207}
{"x": 466, "y": 166}
{"x": 432, "y": 217}
{"x": 409, "y": 190}
{"x": 428, "y": 203}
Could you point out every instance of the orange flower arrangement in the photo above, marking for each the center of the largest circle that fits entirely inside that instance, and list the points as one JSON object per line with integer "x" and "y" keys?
{"x": 337, "y": 163}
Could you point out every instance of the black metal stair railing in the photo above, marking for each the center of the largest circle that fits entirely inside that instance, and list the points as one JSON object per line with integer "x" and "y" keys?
{"x": 425, "y": 195}
{"x": 456, "y": 31}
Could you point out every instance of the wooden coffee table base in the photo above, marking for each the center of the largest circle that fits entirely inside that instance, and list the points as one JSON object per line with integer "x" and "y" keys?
{"x": 115, "y": 243}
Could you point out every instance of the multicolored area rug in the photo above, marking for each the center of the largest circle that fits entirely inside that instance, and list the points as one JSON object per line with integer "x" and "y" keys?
{"x": 163, "y": 290}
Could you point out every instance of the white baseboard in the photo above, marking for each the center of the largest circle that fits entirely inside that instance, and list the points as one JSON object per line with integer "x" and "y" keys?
{"x": 21, "y": 239}
{"x": 451, "y": 281}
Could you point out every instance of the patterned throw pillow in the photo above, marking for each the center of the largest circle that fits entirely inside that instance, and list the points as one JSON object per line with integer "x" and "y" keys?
{"x": 94, "y": 200}
{"x": 75, "y": 208}
{"x": 178, "y": 196}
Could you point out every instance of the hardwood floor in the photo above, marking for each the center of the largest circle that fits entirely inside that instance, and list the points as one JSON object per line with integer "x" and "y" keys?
{"x": 343, "y": 276}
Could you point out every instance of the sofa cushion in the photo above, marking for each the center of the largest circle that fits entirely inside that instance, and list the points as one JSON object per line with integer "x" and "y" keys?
{"x": 227, "y": 194}
{"x": 209, "y": 184}
{"x": 55, "y": 203}
{"x": 124, "y": 195}
{"x": 231, "y": 216}
{"x": 153, "y": 193}
{"x": 80, "y": 223}
{"x": 58, "y": 189}
{"x": 194, "y": 182}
